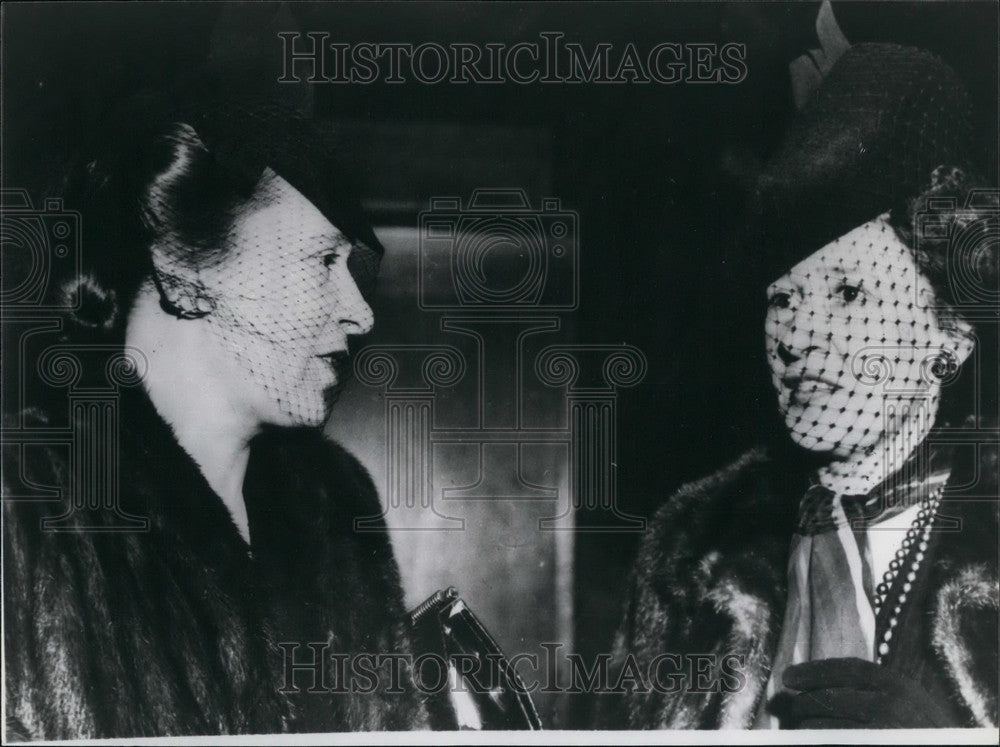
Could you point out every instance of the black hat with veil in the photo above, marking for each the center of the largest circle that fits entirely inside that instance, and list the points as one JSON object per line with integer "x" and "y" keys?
{"x": 884, "y": 154}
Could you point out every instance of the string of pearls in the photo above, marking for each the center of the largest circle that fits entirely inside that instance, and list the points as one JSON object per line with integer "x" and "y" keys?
{"x": 915, "y": 542}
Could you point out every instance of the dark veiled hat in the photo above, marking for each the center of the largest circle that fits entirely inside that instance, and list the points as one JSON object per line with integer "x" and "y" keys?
{"x": 243, "y": 136}
{"x": 251, "y": 134}
{"x": 868, "y": 142}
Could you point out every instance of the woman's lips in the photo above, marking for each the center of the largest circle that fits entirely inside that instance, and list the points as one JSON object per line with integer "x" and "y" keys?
{"x": 803, "y": 388}
{"x": 341, "y": 371}
{"x": 337, "y": 361}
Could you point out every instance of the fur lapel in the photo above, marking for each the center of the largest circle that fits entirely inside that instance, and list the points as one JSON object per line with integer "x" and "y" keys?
{"x": 969, "y": 603}
{"x": 175, "y": 631}
{"x": 710, "y": 578}
{"x": 744, "y": 583}
{"x": 752, "y": 617}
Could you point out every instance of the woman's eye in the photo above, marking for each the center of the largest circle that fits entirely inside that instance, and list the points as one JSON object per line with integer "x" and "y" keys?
{"x": 330, "y": 259}
{"x": 779, "y": 300}
{"x": 849, "y": 292}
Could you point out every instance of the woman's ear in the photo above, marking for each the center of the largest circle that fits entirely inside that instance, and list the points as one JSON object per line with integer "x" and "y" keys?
{"x": 965, "y": 340}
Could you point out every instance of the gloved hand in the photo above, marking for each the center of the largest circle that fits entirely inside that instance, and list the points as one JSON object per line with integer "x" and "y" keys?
{"x": 853, "y": 694}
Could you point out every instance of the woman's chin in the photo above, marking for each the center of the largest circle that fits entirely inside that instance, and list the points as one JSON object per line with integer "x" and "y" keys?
{"x": 311, "y": 414}
{"x": 330, "y": 396}
{"x": 834, "y": 450}
{"x": 812, "y": 443}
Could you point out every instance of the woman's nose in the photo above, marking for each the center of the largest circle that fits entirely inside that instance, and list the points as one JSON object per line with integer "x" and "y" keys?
{"x": 798, "y": 335}
{"x": 787, "y": 356}
{"x": 789, "y": 353}
{"x": 354, "y": 315}
{"x": 358, "y": 321}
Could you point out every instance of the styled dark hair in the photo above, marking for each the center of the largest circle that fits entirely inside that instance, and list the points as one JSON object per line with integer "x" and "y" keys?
{"x": 160, "y": 169}
{"x": 952, "y": 228}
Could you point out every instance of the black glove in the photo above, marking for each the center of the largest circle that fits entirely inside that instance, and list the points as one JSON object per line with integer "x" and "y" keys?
{"x": 853, "y": 694}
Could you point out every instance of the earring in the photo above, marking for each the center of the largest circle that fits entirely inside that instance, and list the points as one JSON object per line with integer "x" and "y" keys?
{"x": 186, "y": 307}
{"x": 190, "y": 303}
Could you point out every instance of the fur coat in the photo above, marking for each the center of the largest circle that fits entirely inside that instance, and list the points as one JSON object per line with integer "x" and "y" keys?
{"x": 710, "y": 579}
{"x": 176, "y": 630}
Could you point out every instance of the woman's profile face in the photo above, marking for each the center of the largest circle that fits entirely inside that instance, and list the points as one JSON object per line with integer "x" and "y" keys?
{"x": 851, "y": 331}
{"x": 284, "y": 305}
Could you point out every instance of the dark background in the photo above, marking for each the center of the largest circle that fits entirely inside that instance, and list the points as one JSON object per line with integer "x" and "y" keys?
{"x": 657, "y": 173}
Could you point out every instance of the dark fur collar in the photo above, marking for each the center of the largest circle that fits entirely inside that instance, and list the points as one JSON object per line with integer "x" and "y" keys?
{"x": 710, "y": 578}
{"x": 176, "y": 630}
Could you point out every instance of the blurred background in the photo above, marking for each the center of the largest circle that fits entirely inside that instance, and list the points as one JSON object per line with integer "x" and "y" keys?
{"x": 656, "y": 176}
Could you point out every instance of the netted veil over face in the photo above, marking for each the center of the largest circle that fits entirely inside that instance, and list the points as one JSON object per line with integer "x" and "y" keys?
{"x": 856, "y": 347}
{"x": 278, "y": 296}
{"x": 859, "y": 335}
{"x": 245, "y": 221}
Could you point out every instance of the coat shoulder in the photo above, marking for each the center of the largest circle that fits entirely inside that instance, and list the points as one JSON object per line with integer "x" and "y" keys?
{"x": 715, "y": 514}
{"x": 709, "y": 493}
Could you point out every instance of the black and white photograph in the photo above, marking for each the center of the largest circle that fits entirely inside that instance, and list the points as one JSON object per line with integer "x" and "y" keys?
{"x": 500, "y": 372}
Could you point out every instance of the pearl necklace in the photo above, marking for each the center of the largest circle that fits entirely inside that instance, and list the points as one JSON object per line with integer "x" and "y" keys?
{"x": 915, "y": 541}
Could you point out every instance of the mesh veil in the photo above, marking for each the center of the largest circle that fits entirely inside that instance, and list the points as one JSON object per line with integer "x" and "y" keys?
{"x": 858, "y": 352}
{"x": 275, "y": 287}
{"x": 857, "y": 341}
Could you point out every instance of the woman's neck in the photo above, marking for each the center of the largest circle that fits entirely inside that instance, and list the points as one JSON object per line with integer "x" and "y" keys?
{"x": 861, "y": 472}
{"x": 187, "y": 384}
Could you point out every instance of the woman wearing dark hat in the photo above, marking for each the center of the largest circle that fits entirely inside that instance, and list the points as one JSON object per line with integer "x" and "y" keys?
{"x": 846, "y": 576}
{"x": 223, "y": 265}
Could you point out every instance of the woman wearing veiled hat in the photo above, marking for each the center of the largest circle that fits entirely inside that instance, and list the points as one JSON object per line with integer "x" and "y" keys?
{"x": 224, "y": 264}
{"x": 848, "y": 567}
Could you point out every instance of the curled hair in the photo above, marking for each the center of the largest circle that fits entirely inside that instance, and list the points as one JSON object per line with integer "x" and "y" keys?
{"x": 175, "y": 177}
{"x": 953, "y": 230}
{"x": 193, "y": 200}
{"x": 953, "y": 234}
{"x": 150, "y": 179}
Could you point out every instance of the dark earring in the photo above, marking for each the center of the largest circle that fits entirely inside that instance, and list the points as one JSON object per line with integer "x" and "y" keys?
{"x": 188, "y": 314}
{"x": 189, "y": 309}
{"x": 180, "y": 305}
